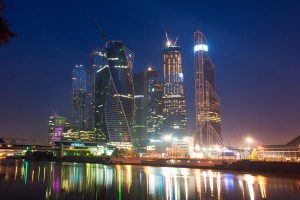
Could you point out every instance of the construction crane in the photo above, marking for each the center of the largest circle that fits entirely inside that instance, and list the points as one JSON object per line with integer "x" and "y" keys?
{"x": 176, "y": 41}
{"x": 103, "y": 36}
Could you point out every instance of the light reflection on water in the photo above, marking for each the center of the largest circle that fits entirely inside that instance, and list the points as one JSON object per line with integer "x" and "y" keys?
{"x": 50, "y": 180}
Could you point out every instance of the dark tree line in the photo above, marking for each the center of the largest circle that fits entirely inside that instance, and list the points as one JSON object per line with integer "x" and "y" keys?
{"x": 5, "y": 33}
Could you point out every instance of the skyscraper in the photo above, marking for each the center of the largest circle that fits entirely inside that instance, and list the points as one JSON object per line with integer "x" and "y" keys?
{"x": 98, "y": 68}
{"x": 140, "y": 116}
{"x": 95, "y": 64}
{"x": 117, "y": 94}
{"x": 154, "y": 102}
{"x": 174, "y": 102}
{"x": 78, "y": 98}
{"x": 208, "y": 106}
{"x": 148, "y": 105}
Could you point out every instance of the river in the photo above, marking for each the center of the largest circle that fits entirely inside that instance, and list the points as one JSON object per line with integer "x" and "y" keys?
{"x": 54, "y": 180}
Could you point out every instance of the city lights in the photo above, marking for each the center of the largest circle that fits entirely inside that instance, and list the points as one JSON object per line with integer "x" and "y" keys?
{"x": 200, "y": 47}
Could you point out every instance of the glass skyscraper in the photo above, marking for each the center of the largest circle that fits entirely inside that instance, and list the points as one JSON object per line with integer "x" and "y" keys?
{"x": 78, "y": 98}
{"x": 98, "y": 68}
{"x": 174, "y": 102}
{"x": 148, "y": 105}
{"x": 116, "y": 105}
{"x": 208, "y": 106}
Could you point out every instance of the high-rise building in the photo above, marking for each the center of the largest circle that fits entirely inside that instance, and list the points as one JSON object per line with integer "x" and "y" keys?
{"x": 148, "y": 105}
{"x": 140, "y": 110}
{"x": 95, "y": 64}
{"x": 154, "y": 102}
{"x": 56, "y": 127}
{"x": 208, "y": 106}
{"x": 174, "y": 102}
{"x": 96, "y": 86}
{"x": 117, "y": 94}
{"x": 78, "y": 98}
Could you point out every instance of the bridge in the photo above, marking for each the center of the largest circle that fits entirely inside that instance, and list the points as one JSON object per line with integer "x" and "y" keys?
{"x": 12, "y": 146}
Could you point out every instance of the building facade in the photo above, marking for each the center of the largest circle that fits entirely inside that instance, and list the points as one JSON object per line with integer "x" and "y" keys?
{"x": 208, "y": 105}
{"x": 117, "y": 94}
{"x": 56, "y": 127}
{"x": 148, "y": 105}
{"x": 98, "y": 80}
{"x": 78, "y": 98}
{"x": 174, "y": 102}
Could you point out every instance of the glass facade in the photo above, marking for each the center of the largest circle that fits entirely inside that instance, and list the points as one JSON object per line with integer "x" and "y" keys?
{"x": 78, "y": 98}
{"x": 98, "y": 81}
{"x": 118, "y": 94}
{"x": 208, "y": 106}
{"x": 148, "y": 105}
{"x": 174, "y": 102}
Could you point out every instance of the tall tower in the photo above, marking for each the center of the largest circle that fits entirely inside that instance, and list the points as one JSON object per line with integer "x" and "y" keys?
{"x": 174, "y": 103}
{"x": 78, "y": 98}
{"x": 95, "y": 64}
{"x": 148, "y": 105}
{"x": 118, "y": 93}
{"x": 98, "y": 68}
{"x": 208, "y": 106}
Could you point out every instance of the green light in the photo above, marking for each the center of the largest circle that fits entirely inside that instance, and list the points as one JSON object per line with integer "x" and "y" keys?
{"x": 121, "y": 49}
{"x": 27, "y": 148}
{"x": 121, "y": 112}
{"x": 25, "y": 172}
{"x": 120, "y": 185}
{"x": 120, "y": 134}
{"x": 120, "y": 123}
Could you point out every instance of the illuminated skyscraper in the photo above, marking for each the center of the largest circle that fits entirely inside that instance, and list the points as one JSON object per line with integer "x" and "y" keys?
{"x": 78, "y": 98}
{"x": 96, "y": 86}
{"x": 117, "y": 95}
{"x": 174, "y": 103}
{"x": 148, "y": 105}
{"x": 208, "y": 106}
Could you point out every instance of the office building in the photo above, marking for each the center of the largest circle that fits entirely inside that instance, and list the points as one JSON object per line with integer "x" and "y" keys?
{"x": 56, "y": 127}
{"x": 117, "y": 94}
{"x": 97, "y": 84}
{"x": 78, "y": 98}
{"x": 174, "y": 102}
{"x": 208, "y": 106}
{"x": 148, "y": 105}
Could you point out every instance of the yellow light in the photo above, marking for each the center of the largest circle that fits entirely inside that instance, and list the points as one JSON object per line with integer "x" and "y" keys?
{"x": 168, "y": 43}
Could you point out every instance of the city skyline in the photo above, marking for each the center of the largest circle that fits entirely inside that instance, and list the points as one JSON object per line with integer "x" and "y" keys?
{"x": 256, "y": 68}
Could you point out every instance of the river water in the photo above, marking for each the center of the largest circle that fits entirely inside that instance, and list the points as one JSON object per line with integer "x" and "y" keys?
{"x": 52, "y": 180}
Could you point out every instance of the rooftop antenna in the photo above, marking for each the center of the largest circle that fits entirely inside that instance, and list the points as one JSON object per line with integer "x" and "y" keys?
{"x": 176, "y": 40}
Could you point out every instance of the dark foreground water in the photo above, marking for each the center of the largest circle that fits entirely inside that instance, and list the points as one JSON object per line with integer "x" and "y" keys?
{"x": 50, "y": 180}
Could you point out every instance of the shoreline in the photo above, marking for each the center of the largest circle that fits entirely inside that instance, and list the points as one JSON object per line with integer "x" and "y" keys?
{"x": 238, "y": 166}
{"x": 242, "y": 165}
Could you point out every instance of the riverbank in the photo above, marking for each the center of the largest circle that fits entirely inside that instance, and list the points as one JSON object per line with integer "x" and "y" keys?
{"x": 242, "y": 165}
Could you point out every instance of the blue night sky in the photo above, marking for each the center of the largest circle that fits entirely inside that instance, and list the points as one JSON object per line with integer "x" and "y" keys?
{"x": 253, "y": 44}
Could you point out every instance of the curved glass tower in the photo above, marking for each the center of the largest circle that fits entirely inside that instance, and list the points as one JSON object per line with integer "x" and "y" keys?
{"x": 208, "y": 105}
{"x": 119, "y": 94}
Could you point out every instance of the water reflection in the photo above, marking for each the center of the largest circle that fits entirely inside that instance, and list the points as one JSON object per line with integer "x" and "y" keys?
{"x": 50, "y": 180}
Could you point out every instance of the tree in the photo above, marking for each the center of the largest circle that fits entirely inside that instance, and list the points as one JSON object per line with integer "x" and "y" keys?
{"x": 5, "y": 33}
{"x": 254, "y": 155}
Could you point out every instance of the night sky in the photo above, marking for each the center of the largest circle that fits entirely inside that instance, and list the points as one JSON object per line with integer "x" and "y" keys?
{"x": 253, "y": 44}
